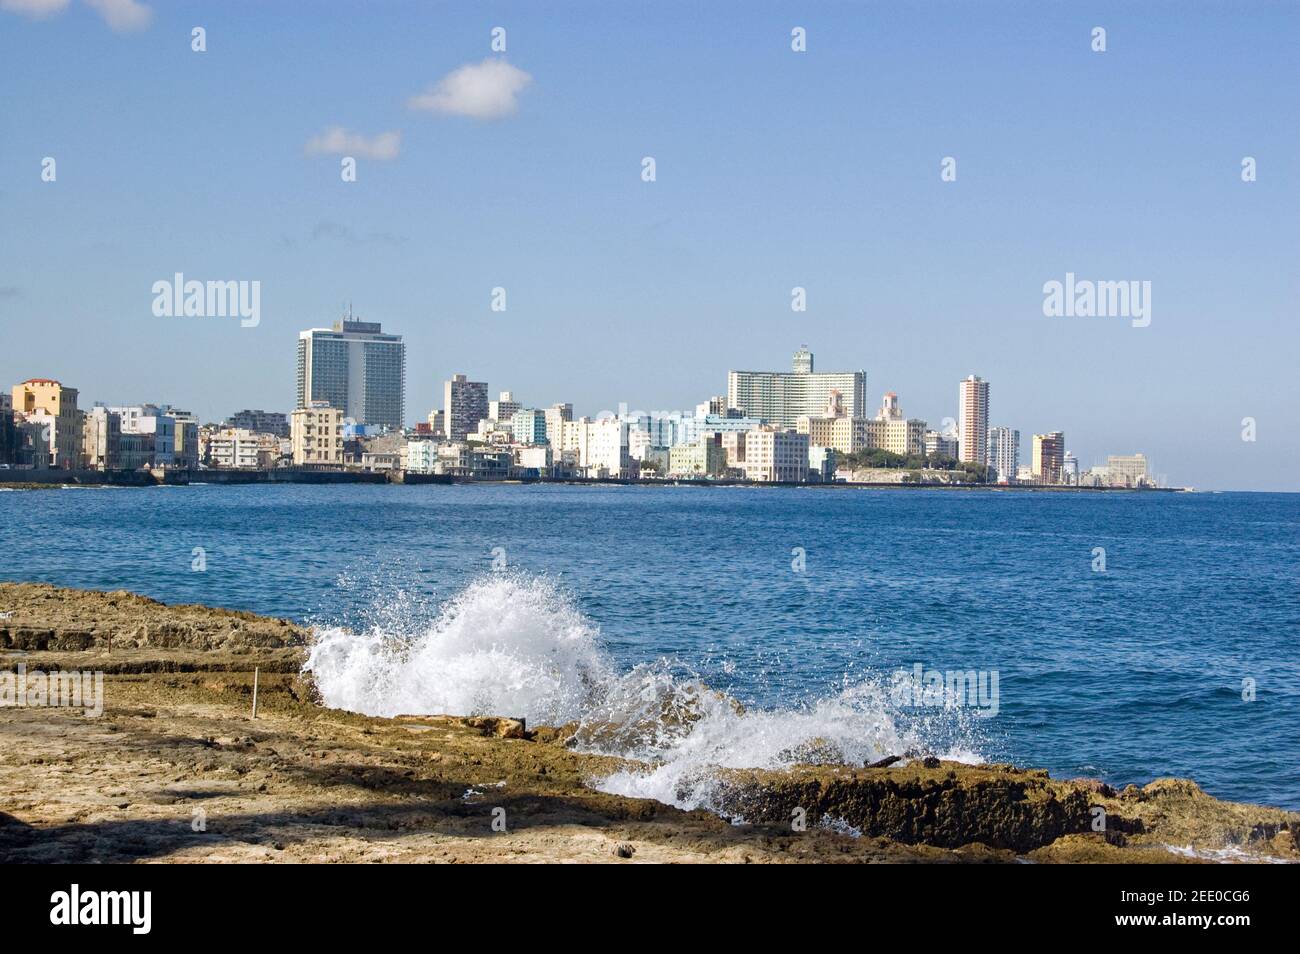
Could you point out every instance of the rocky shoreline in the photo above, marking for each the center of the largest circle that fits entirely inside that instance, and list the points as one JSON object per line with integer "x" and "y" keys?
{"x": 176, "y": 769}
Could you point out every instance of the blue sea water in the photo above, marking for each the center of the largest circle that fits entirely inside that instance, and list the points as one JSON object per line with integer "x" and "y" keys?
{"x": 783, "y": 597}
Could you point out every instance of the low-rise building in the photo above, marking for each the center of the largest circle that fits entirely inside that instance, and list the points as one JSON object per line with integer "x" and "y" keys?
{"x": 769, "y": 455}
{"x": 54, "y": 408}
{"x": 317, "y": 434}
{"x": 260, "y": 422}
{"x": 706, "y": 457}
{"x": 101, "y": 439}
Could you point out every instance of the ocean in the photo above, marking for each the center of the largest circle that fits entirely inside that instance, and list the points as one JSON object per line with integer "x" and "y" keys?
{"x": 1118, "y": 636}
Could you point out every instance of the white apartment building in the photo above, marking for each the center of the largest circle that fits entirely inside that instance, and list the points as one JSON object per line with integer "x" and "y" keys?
{"x": 148, "y": 419}
{"x": 1004, "y": 454}
{"x": 768, "y": 454}
{"x": 606, "y": 449}
{"x": 422, "y": 457}
{"x": 240, "y": 448}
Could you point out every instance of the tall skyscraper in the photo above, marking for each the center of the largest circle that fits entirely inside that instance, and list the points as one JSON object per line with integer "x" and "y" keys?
{"x": 1004, "y": 454}
{"x": 973, "y": 420}
{"x": 1049, "y": 457}
{"x": 357, "y": 369}
{"x": 464, "y": 404}
{"x": 782, "y": 397}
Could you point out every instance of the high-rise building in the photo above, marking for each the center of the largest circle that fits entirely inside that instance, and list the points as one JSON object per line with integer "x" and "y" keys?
{"x": 1049, "y": 457}
{"x": 780, "y": 398}
{"x": 1004, "y": 454}
{"x": 357, "y": 369}
{"x": 464, "y": 404}
{"x": 54, "y": 407}
{"x": 973, "y": 420}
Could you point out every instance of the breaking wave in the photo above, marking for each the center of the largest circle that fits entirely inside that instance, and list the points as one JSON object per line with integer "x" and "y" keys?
{"x": 516, "y": 645}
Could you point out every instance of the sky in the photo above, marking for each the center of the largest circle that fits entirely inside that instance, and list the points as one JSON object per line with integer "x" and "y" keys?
{"x": 821, "y": 169}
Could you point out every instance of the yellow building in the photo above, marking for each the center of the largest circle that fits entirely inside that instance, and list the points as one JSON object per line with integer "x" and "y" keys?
{"x": 47, "y": 401}
{"x": 848, "y": 435}
{"x": 316, "y": 432}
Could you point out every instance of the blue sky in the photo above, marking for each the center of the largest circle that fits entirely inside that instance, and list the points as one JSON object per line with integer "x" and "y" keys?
{"x": 775, "y": 169}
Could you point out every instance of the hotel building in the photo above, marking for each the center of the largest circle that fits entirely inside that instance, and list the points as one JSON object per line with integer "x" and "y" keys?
{"x": 357, "y": 369}
{"x": 780, "y": 398}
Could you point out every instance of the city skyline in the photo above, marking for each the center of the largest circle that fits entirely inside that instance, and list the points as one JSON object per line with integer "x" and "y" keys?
{"x": 776, "y": 171}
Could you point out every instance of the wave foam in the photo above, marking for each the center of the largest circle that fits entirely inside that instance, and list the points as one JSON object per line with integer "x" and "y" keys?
{"x": 516, "y": 645}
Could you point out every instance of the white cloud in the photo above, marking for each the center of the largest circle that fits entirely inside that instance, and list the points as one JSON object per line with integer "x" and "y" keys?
{"x": 486, "y": 90}
{"x": 337, "y": 141}
{"x": 122, "y": 15}
{"x": 35, "y": 9}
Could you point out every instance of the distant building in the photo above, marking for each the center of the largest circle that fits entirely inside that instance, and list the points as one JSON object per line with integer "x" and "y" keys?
{"x": 891, "y": 431}
{"x": 464, "y": 404}
{"x": 529, "y": 426}
{"x": 260, "y": 422}
{"x": 437, "y": 423}
{"x": 940, "y": 445}
{"x": 605, "y": 452}
{"x": 422, "y": 456}
{"x": 101, "y": 439}
{"x": 1004, "y": 454}
{"x": 822, "y": 462}
{"x": 973, "y": 420}
{"x": 49, "y": 404}
{"x": 780, "y": 398}
{"x": 317, "y": 434}
{"x": 238, "y": 448}
{"x": 556, "y": 416}
{"x": 1070, "y": 469}
{"x": 504, "y": 407}
{"x": 848, "y": 435}
{"x": 186, "y": 451}
{"x": 1127, "y": 470}
{"x": 357, "y": 369}
{"x": 704, "y": 458}
{"x": 1049, "y": 457}
{"x": 769, "y": 455}
{"x": 691, "y": 429}
{"x": 157, "y": 430}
